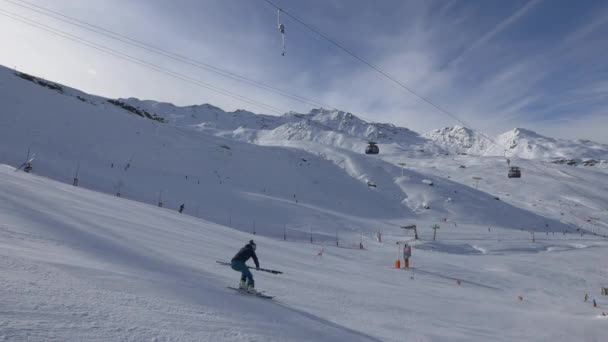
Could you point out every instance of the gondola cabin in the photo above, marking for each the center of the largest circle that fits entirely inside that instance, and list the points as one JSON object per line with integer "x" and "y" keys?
{"x": 514, "y": 172}
{"x": 372, "y": 148}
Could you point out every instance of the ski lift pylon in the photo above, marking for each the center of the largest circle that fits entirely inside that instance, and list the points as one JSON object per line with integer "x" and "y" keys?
{"x": 281, "y": 28}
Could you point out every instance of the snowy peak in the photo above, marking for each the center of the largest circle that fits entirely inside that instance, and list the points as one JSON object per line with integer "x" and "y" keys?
{"x": 527, "y": 144}
{"x": 523, "y": 133}
{"x": 333, "y": 127}
{"x": 460, "y": 139}
{"x": 519, "y": 143}
{"x": 511, "y": 139}
{"x": 338, "y": 120}
{"x": 351, "y": 125}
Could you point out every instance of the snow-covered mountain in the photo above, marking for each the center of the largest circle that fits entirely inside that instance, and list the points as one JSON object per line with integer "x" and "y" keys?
{"x": 518, "y": 143}
{"x": 527, "y": 144}
{"x": 116, "y": 147}
{"x": 460, "y": 140}
{"x": 236, "y": 153}
{"x": 347, "y": 131}
{"x": 511, "y": 255}
{"x": 337, "y": 128}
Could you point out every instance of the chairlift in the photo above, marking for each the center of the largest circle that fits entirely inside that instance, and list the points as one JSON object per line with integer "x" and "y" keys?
{"x": 514, "y": 172}
{"x": 281, "y": 28}
{"x": 372, "y": 148}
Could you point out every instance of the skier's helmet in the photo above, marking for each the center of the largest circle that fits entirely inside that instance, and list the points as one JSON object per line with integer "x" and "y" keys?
{"x": 253, "y": 246}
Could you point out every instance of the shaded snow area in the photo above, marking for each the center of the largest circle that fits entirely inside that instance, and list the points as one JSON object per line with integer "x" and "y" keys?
{"x": 112, "y": 259}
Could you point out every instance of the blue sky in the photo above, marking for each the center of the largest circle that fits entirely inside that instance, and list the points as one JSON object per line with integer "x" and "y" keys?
{"x": 537, "y": 64}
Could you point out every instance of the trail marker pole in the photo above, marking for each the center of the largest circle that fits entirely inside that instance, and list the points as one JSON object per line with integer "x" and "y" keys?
{"x": 533, "y": 239}
{"x": 402, "y": 165}
{"x": 477, "y": 179}
{"x": 310, "y": 234}
{"x": 75, "y": 182}
{"x": 435, "y": 227}
{"x": 361, "y": 240}
{"x": 398, "y": 260}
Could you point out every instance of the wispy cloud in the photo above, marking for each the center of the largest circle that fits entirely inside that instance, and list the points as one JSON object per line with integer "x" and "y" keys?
{"x": 500, "y": 27}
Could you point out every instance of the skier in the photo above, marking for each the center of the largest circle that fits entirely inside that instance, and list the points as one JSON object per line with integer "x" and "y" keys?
{"x": 238, "y": 264}
{"x": 407, "y": 254}
{"x": 181, "y": 208}
{"x": 28, "y": 167}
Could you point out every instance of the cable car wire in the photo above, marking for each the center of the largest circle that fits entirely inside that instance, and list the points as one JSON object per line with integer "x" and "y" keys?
{"x": 140, "y": 62}
{"x": 166, "y": 53}
{"x": 369, "y": 64}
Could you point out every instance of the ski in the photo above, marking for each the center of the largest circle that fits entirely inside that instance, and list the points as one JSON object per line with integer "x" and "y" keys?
{"x": 253, "y": 268}
{"x": 251, "y": 292}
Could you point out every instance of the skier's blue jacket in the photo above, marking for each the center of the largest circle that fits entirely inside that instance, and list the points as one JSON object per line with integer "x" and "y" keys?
{"x": 245, "y": 253}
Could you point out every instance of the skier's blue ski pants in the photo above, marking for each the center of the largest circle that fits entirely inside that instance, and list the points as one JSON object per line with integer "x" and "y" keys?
{"x": 240, "y": 266}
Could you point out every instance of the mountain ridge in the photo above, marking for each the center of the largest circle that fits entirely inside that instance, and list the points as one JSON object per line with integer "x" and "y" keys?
{"x": 349, "y": 131}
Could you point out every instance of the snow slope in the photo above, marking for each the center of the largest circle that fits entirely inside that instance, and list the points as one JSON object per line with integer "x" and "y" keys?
{"x": 239, "y": 184}
{"x": 267, "y": 189}
{"x": 77, "y": 265}
{"x": 80, "y": 265}
{"x": 446, "y": 153}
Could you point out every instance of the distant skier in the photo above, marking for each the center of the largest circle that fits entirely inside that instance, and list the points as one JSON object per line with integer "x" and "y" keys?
{"x": 407, "y": 254}
{"x": 181, "y": 208}
{"x": 238, "y": 264}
